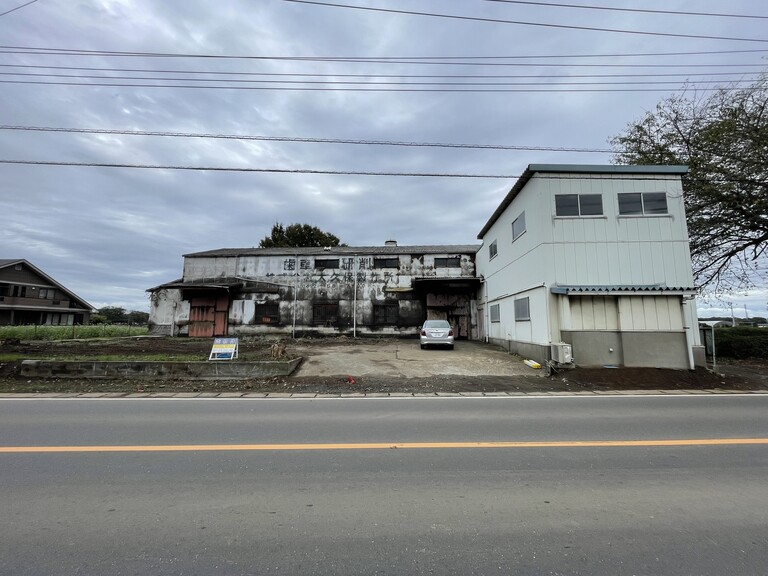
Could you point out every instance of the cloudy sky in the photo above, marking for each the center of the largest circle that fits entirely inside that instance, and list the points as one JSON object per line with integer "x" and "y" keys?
{"x": 523, "y": 82}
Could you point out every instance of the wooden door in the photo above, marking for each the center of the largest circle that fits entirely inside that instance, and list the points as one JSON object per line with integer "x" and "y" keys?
{"x": 202, "y": 315}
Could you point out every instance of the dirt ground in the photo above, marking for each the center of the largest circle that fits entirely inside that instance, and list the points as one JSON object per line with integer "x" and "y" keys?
{"x": 343, "y": 365}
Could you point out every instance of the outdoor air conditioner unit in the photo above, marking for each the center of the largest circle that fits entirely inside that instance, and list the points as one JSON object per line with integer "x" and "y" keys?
{"x": 562, "y": 353}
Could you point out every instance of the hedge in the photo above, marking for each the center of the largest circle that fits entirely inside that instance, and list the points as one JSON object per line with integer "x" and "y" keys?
{"x": 742, "y": 342}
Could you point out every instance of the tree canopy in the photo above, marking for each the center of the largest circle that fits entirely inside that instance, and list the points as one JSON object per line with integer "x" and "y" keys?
{"x": 298, "y": 236}
{"x": 723, "y": 138}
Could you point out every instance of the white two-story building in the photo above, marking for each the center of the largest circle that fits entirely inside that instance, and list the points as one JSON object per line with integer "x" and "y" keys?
{"x": 596, "y": 257}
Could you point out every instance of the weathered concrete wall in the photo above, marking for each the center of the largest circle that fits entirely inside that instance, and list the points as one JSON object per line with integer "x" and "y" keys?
{"x": 649, "y": 349}
{"x": 214, "y": 370}
{"x": 537, "y": 352}
{"x": 595, "y": 347}
{"x": 655, "y": 350}
{"x": 357, "y": 285}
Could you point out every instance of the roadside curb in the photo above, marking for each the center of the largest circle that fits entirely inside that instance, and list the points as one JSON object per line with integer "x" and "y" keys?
{"x": 361, "y": 395}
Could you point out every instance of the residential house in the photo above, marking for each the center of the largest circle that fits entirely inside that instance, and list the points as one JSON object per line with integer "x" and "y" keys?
{"x": 595, "y": 257}
{"x": 368, "y": 290}
{"x": 29, "y": 296}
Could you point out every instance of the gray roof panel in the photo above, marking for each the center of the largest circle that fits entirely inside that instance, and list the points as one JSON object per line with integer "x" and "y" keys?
{"x": 338, "y": 251}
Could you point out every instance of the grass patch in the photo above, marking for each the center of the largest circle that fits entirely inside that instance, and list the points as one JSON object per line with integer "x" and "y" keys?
{"x": 70, "y": 332}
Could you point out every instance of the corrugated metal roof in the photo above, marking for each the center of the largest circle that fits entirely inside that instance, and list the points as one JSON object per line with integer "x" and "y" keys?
{"x": 622, "y": 289}
{"x": 220, "y": 284}
{"x": 532, "y": 169}
{"x": 338, "y": 250}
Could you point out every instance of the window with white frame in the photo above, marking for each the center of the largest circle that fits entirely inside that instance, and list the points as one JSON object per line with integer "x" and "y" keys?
{"x": 492, "y": 250}
{"x": 518, "y": 226}
{"x": 578, "y": 205}
{"x": 495, "y": 314}
{"x": 642, "y": 204}
{"x": 522, "y": 310}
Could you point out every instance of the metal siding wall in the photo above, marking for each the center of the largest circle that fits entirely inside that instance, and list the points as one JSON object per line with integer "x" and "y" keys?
{"x": 621, "y": 250}
{"x": 593, "y": 313}
{"x": 650, "y": 313}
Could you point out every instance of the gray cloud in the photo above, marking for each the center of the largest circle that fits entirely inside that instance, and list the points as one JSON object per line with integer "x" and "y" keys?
{"x": 108, "y": 234}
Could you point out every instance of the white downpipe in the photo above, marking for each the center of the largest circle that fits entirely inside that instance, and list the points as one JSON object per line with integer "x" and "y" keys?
{"x": 487, "y": 313}
{"x": 688, "y": 336}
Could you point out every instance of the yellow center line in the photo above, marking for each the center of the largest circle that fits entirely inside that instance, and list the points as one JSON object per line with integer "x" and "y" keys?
{"x": 387, "y": 445}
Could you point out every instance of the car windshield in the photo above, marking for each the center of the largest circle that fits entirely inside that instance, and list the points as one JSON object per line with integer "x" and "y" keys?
{"x": 436, "y": 324}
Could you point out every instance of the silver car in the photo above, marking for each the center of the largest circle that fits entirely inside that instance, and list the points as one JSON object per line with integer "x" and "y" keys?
{"x": 436, "y": 333}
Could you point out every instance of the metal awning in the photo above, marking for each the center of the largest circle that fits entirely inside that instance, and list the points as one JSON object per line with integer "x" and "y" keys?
{"x": 221, "y": 284}
{"x": 623, "y": 290}
{"x": 461, "y": 285}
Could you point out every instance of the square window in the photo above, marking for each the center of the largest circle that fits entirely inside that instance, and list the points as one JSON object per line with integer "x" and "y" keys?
{"x": 327, "y": 264}
{"x": 590, "y": 204}
{"x": 386, "y": 314}
{"x": 655, "y": 203}
{"x": 518, "y": 227}
{"x": 522, "y": 310}
{"x": 325, "y": 314}
{"x": 631, "y": 203}
{"x": 451, "y": 262}
{"x": 566, "y": 204}
{"x": 386, "y": 262}
{"x": 267, "y": 313}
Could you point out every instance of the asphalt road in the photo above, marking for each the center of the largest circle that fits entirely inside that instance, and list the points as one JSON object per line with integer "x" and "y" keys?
{"x": 200, "y": 487}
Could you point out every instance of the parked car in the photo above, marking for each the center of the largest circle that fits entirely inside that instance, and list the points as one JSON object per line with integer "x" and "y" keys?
{"x": 436, "y": 333}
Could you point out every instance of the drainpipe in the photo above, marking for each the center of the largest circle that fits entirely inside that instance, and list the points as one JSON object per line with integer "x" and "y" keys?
{"x": 173, "y": 319}
{"x": 688, "y": 329}
{"x": 354, "y": 302}
{"x": 487, "y": 322}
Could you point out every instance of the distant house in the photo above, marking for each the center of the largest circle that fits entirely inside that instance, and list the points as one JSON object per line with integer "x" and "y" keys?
{"x": 373, "y": 290}
{"x": 29, "y": 296}
{"x": 596, "y": 257}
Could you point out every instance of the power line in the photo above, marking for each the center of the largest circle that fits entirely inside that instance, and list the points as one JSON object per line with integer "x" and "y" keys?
{"x": 524, "y": 23}
{"x": 428, "y": 61}
{"x": 349, "y": 89}
{"x": 17, "y": 8}
{"x": 258, "y": 170}
{"x": 376, "y": 82}
{"x": 343, "y": 75}
{"x": 298, "y": 139}
{"x": 45, "y": 51}
{"x": 327, "y": 172}
{"x": 645, "y": 11}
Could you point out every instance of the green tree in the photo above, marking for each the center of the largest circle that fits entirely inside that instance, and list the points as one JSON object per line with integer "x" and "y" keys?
{"x": 723, "y": 138}
{"x": 113, "y": 314}
{"x": 298, "y": 236}
{"x": 137, "y": 318}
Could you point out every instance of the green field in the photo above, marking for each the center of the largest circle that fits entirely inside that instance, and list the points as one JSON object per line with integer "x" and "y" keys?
{"x": 70, "y": 332}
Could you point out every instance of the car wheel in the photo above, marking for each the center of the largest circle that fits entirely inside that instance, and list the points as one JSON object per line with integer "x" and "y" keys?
{"x": 423, "y": 346}
{"x": 450, "y": 347}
